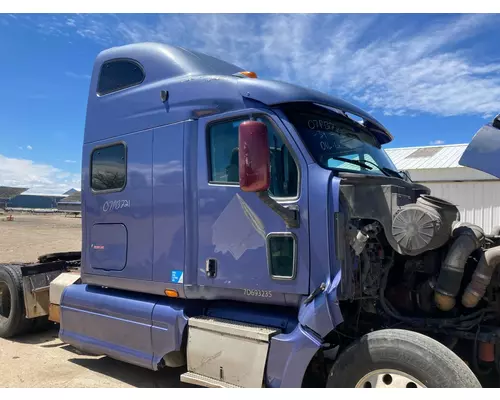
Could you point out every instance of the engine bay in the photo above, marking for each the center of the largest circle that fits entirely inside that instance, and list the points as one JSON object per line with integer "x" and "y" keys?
{"x": 415, "y": 265}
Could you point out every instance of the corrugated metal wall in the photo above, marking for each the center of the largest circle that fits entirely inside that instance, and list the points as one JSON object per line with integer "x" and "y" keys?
{"x": 478, "y": 202}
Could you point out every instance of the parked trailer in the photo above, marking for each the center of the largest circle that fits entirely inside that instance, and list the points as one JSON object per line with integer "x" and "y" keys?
{"x": 256, "y": 232}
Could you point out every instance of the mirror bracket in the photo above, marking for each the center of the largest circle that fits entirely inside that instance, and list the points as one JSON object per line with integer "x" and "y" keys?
{"x": 289, "y": 214}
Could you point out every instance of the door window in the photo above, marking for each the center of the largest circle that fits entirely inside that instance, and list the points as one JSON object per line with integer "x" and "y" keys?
{"x": 282, "y": 255}
{"x": 223, "y": 143}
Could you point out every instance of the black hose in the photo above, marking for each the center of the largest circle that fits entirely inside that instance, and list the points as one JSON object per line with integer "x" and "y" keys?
{"x": 455, "y": 322}
{"x": 481, "y": 277}
{"x": 469, "y": 238}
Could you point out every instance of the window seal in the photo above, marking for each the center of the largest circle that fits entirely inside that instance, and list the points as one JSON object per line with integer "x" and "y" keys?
{"x": 271, "y": 235}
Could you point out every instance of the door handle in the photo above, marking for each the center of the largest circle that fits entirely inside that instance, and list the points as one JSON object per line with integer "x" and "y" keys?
{"x": 211, "y": 268}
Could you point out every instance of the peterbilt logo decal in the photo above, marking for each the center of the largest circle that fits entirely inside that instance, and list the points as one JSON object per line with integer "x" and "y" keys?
{"x": 115, "y": 205}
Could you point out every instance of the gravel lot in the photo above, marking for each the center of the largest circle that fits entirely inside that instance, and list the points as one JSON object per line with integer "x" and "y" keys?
{"x": 42, "y": 360}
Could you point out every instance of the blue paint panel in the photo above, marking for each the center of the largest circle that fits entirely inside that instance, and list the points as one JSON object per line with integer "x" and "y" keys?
{"x": 109, "y": 322}
{"x": 169, "y": 324}
{"x": 273, "y": 93}
{"x": 168, "y": 202}
{"x": 323, "y": 314}
{"x": 197, "y": 85}
{"x": 191, "y": 199}
{"x": 224, "y": 225}
{"x": 224, "y": 293}
{"x": 131, "y": 207}
{"x": 284, "y": 318}
{"x": 289, "y": 356}
{"x": 108, "y": 246}
{"x": 321, "y": 219}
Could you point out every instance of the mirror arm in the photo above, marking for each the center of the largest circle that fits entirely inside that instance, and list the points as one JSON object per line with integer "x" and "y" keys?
{"x": 290, "y": 216}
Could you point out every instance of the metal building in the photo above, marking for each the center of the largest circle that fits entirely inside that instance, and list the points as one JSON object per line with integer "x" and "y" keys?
{"x": 476, "y": 193}
{"x": 72, "y": 203}
{"x": 7, "y": 193}
{"x": 35, "y": 201}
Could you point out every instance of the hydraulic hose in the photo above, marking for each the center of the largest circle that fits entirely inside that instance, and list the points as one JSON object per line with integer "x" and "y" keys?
{"x": 469, "y": 238}
{"x": 481, "y": 277}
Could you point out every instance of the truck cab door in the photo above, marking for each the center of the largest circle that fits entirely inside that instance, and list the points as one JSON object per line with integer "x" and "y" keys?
{"x": 245, "y": 250}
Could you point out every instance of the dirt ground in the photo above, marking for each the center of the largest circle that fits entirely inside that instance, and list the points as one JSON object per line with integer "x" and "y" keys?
{"x": 42, "y": 360}
{"x": 31, "y": 235}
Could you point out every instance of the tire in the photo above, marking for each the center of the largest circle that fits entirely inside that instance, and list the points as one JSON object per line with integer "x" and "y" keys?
{"x": 400, "y": 358}
{"x": 12, "y": 313}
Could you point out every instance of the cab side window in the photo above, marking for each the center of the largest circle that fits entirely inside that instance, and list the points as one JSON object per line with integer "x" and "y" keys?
{"x": 117, "y": 75}
{"x": 223, "y": 143}
{"x": 108, "y": 168}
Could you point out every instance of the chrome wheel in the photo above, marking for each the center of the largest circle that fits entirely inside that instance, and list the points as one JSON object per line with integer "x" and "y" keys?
{"x": 388, "y": 378}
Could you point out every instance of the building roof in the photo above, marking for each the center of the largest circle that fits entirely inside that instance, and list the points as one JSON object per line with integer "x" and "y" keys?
{"x": 8, "y": 192}
{"x": 427, "y": 157}
{"x": 75, "y": 197}
{"x": 70, "y": 191}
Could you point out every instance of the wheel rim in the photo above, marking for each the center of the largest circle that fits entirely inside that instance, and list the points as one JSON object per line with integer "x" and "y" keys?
{"x": 4, "y": 301}
{"x": 389, "y": 378}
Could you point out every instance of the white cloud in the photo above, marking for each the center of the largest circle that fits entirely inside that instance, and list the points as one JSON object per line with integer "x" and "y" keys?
{"x": 395, "y": 65}
{"x": 29, "y": 147}
{"x": 39, "y": 178}
{"x": 436, "y": 142}
{"x": 77, "y": 76}
{"x": 70, "y": 161}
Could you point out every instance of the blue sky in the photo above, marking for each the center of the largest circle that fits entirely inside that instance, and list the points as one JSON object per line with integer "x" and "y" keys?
{"x": 429, "y": 78}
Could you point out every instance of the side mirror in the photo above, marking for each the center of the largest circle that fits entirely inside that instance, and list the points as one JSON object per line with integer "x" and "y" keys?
{"x": 253, "y": 157}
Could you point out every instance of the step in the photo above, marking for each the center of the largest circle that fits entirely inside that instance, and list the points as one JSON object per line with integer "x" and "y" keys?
{"x": 228, "y": 352}
{"x": 233, "y": 328}
{"x": 205, "y": 381}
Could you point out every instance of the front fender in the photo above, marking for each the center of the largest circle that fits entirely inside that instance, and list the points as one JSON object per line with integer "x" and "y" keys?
{"x": 323, "y": 313}
{"x": 289, "y": 357}
{"x": 290, "y": 354}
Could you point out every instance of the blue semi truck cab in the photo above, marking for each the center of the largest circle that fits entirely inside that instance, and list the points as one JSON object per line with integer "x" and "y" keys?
{"x": 255, "y": 233}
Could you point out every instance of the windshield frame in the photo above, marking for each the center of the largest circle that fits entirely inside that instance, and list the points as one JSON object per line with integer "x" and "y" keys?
{"x": 382, "y": 165}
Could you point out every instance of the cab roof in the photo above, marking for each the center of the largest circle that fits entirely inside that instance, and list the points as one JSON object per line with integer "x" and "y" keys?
{"x": 197, "y": 84}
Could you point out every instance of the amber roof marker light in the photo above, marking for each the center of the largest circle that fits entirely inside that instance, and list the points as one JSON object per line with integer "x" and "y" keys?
{"x": 246, "y": 74}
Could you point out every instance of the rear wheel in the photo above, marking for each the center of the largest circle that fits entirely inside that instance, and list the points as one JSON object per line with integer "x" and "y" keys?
{"x": 394, "y": 358}
{"x": 13, "y": 319}
{"x": 12, "y": 314}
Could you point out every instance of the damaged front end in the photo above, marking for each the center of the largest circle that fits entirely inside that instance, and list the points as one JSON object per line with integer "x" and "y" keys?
{"x": 411, "y": 262}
